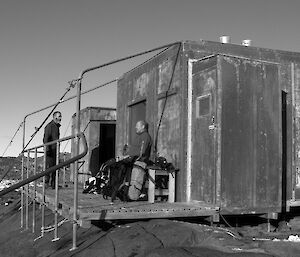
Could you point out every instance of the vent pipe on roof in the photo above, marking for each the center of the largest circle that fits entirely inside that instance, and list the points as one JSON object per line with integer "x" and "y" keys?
{"x": 247, "y": 42}
{"x": 225, "y": 39}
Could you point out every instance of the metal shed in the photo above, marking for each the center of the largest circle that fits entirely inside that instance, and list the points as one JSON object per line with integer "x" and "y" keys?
{"x": 226, "y": 115}
{"x": 99, "y": 126}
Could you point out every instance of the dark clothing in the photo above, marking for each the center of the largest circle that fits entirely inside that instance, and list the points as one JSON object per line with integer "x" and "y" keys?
{"x": 94, "y": 164}
{"x": 142, "y": 148}
{"x": 51, "y": 133}
{"x": 50, "y": 178}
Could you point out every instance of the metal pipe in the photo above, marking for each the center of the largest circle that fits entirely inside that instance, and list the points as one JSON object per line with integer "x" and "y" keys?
{"x": 70, "y": 98}
{"x": 59, "y": 102}
{"x": 75, "y": 200}
{"x": 54, "y": 142}
{"x": 56, "y": 196}
{"x": 34, "y": 192}
{"x": 22, "y": 178}
{"x": 126, "y": 58}
{"x": 22, "y": 193}
{"x": 44, "y": 199}
{"x": 27, "y": 192}
{"x": 64, "y": 173}
{"x": 32, "y": 136}
{"x": 296, "y": 155}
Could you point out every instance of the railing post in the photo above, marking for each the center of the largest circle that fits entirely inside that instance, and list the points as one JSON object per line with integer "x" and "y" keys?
{"x": 22, "y": 176}
{"x": 34, "y": 191}
{"x": 44, "y": 200}
{"x": 56, "y": 195}
{"x": 64, "y": 173}
{"x": 74, "y": 244}
{"x": 22, "y": 192}
{"x": 27, "y": 192}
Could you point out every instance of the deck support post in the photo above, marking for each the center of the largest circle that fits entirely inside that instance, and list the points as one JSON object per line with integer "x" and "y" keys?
{"x": 44, "y": 200}
{"x": 34, "y": 192}
{"x": 27, "y": 192}
{"x": 22, "y": 178}
{"x": 22, "y": 193}
{"x": 56, "y": 196}
{"x": 64, "y": 173}
{"x": 215, "y": 218}
{"x": 75, "y": 224}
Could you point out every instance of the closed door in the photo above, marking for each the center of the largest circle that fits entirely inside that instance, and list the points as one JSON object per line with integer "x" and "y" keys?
{"x": 203, "y": 131}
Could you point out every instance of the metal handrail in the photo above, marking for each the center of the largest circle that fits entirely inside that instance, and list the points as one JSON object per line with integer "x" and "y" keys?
{"x": 51, "y": 169}
{"x": 53, "y": 142}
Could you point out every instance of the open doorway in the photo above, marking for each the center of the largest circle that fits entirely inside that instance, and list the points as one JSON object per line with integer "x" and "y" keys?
{"x": 284, "y": 148}
{"x": 107, "y": 142}
{"x": 105, "y": 149}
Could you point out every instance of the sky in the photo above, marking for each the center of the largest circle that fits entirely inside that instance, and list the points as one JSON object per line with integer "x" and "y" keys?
{"x": 46, "y": 43}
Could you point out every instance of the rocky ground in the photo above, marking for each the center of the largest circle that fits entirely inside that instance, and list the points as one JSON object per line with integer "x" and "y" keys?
{"x": 152, "y": 238}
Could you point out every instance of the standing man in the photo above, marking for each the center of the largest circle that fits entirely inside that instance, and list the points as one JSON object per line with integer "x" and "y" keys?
{"x": 51, "y": 133}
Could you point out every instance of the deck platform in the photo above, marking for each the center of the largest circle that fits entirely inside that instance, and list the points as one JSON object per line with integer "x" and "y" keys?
{"x": 95, "y": 207}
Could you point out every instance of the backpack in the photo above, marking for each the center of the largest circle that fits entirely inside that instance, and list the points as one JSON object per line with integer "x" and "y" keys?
{"x": 123, "y": 179}
{"x": 113, "y": 175}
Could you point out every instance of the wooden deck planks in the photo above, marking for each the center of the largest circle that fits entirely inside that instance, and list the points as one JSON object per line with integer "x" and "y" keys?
{"x": 95, "y": 207}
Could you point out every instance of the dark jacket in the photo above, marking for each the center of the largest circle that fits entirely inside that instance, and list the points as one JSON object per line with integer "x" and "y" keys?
{"x": 51, "y": 133}
{"x": 142, "y": 148}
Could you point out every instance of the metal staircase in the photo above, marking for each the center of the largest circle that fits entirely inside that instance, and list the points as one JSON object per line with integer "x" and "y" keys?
{"x": 30, "y": 174}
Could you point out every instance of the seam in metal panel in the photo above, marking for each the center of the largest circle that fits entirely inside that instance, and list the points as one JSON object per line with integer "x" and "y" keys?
{"x": 189, "y": 131}
{"x": 248, "y": 58}
{"x": 293, "y": 132}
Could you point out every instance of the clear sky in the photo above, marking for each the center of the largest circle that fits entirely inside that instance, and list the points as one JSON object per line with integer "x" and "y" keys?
{"x": 46, "y": 43}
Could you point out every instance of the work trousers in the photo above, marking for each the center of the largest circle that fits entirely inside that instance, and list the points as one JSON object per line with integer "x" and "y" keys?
{"x": 50, "y": 178}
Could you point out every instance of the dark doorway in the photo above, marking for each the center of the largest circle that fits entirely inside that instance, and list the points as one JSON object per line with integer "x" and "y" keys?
{"x": 284, "y": 148}
{"x": 137, "y": 112}
{"x": 107, "y": 142}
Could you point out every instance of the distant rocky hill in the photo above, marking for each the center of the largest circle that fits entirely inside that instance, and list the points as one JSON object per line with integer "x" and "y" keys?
{"x": 14, "y": 164}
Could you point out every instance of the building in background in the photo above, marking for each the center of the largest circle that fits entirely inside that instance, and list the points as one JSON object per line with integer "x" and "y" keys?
{"x": 99, "y": 127}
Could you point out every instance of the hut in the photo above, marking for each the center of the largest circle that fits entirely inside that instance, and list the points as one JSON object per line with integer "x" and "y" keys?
{"x": 99, "y": 127}
{"x": 227, "y": 116}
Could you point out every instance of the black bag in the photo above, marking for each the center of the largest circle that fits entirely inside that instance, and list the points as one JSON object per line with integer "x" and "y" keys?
{"x": 113, "y": 178}
{"x": 163, "y": 164}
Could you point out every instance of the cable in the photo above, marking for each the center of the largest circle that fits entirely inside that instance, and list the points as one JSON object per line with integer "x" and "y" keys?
{"x": 8, "y": 170}
{"x": 226, "y": 222}
{"x": 65, "y": 135}
{"x": 52, "y": 227}
{"x": 37, "y": 130}
{"x": 9, "y": 144}
{"x": 166, "y": 97}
